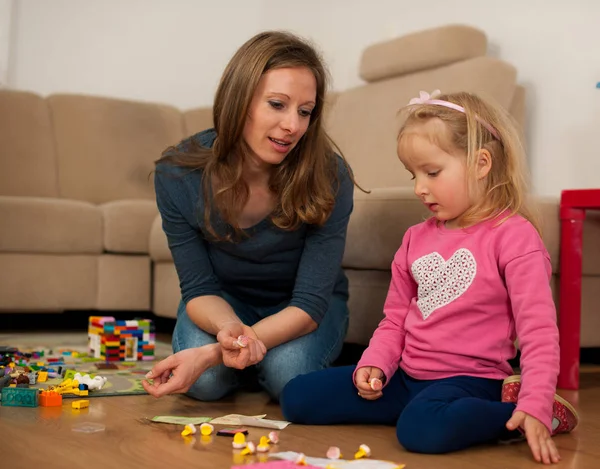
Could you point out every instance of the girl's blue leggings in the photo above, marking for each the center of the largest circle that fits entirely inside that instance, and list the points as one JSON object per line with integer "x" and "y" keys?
{"x": 434, "y": 416}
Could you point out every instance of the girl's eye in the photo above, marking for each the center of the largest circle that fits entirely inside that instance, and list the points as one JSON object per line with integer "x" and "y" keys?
{"x": 433, "y": 174}
{"x": 305, "y": 112}
{"x": 276, "y": 104}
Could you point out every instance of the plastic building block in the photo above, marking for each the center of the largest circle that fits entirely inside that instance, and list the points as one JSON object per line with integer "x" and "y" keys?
{"x": 114, "y": 340}
{"x": 43, "y": 376}
{"x": 20, "y": 397}
{"x": 81, "y": 404}
{"x": 50, "y": 399}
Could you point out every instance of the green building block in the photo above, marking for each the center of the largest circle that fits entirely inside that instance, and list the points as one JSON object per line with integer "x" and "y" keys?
{"x": 20, "y": 397}
{"x": 70, "y": 374}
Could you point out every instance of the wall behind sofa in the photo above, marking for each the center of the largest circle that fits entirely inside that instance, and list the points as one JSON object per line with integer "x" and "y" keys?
{"x": 170, "y": 51}
{"x": 173, "y": 51}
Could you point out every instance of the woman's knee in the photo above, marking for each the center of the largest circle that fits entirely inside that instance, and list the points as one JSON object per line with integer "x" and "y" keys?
{"x": 214, "y": 384}
{"x": 281, "y": 367}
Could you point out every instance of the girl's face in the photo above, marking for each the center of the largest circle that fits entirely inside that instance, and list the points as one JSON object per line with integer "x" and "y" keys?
{"x": 440, "y": 178}
{"x": 279, "y": 114}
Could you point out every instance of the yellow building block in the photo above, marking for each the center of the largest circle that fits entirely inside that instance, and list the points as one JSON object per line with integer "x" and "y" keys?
{"x": 81, "y": 404}
{"x": 42, "y": 376}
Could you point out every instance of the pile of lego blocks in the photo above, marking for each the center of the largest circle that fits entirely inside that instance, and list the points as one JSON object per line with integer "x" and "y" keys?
{"x": 21, "y": 369}
{"x": 112, "y": 340}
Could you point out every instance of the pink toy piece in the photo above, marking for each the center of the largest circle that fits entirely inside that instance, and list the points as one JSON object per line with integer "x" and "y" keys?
{"x": 334, "y": 453}
{"x": 376, "y": 384}
{"x": 274, "y": 437}
{"x": 242, "y": 341}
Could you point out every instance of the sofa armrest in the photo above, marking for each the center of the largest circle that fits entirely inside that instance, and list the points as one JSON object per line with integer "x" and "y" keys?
{"x": 159, "y": 246}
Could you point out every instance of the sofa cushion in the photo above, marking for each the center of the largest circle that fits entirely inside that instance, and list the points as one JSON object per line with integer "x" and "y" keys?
{"x": 123, "y": 283}
{"x": 159, "y": 247}
{"x": 46, "y": 225}
{"x": 27, "y": 155}
{"x": 364, "y": 121}
{"x": 106, "y": 148}
{"x": 127, "y": 225}
{"x": 420, "y": 51}
{"x": 47, "y": 282}
{"x": 377, "y": 226}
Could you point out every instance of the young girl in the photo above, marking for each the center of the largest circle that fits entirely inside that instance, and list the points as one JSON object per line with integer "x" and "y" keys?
{"x": 465, "y": 284}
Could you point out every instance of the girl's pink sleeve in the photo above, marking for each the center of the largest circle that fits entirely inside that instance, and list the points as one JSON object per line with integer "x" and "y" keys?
{"x": 527, "y": 277}
{"x": 386, "y": 346}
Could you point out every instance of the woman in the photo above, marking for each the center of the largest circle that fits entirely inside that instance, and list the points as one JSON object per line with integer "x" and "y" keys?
{"x": 256, "y": 212}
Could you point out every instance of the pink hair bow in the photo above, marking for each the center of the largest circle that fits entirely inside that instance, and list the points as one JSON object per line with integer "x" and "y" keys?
{"x": 424, "y": 97}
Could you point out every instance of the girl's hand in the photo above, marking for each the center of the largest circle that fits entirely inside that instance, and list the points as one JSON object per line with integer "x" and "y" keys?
{"x": 538, "y": 438}
{"x": 368, "y": 381}
{"x": 240, "y": 346}
{"x": 177, "y": 373}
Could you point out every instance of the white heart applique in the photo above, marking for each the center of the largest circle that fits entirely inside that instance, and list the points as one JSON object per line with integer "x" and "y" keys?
{"x": 441, "y": 282}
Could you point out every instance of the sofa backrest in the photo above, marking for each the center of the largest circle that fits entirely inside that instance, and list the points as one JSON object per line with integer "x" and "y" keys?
{"x": 364, "y": 120}
{"x": 27, "y": 155}
{"x": 196, "y": 120}
{"x": 106, "y": 148}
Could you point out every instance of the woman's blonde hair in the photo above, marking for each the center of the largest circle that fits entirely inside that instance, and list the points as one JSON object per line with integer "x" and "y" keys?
{"x": 505, "y": 189}
{"x": 306, "y": 182}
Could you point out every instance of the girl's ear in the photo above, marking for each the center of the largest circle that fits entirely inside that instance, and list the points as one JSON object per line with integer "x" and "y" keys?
{"x": 484, "y": 163}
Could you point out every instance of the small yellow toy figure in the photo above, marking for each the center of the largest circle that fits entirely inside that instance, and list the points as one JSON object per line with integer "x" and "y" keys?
{"x": 189, "y": 429}
{"x": 239, "y": 441}
{"x": 363, "y": 452}
{"x": 206, "y": 429}
{"x": 263, "y": 445}
{"x": 249, "y": 449}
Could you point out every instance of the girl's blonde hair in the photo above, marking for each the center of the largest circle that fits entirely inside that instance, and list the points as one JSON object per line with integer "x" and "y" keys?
{"x": 506, "y": 184}
{"x": 305, "y": 183}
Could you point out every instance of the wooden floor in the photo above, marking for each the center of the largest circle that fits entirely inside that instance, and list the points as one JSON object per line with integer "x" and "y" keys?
{"x": 45, "y": 437}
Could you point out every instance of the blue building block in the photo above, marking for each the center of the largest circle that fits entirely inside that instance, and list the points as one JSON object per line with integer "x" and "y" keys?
{"x": 20, "y": 397}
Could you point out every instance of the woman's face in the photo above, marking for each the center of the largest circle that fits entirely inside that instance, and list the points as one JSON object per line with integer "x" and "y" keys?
{"x": 279, "y": 114}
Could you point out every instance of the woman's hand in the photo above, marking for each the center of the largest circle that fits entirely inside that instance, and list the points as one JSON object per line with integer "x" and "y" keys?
{"x": 368, "y": 381}
{"x": 240, "y": 346}
{"x": 177, "y": 373}
{"x": 538, "y": 438}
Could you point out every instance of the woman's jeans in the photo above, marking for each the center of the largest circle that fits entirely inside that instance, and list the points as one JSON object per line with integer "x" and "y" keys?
{"x": 311, "y": 352}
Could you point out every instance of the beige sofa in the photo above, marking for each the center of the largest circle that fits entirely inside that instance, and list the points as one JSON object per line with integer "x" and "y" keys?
{"x": 80, "y": 228}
